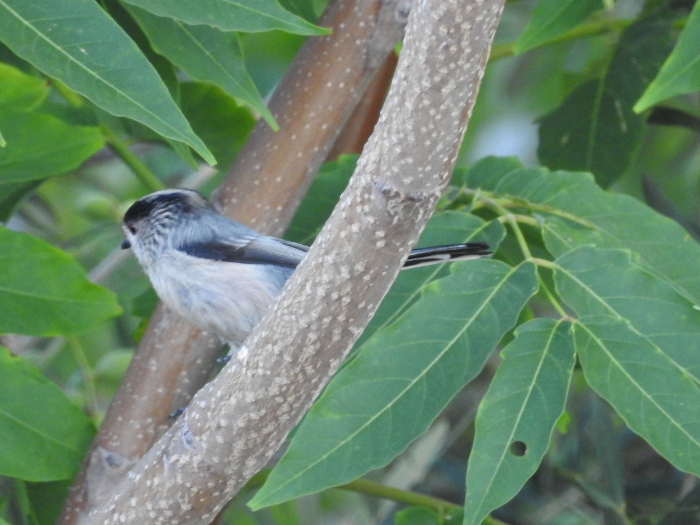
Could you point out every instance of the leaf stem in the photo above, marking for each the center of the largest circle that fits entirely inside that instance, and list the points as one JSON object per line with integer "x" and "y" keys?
{"x": 371, "y": 488}
{"x": 552, "y": 298}
{"x": 378, "y": 490}
{"x": 592, "y": 28}
{"x": 67, "y": 93}
{"x": 86, "y": 372}
{"x": 142, "y": 172}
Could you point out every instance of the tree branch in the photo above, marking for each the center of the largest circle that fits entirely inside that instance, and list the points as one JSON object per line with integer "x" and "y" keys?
{"x": 236, "y": 422}
{"x": 273, "y": 172}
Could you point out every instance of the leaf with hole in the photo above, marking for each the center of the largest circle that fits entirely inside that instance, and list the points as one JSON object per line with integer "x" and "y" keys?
{"x": 401, "y": 379}
{"x": 518, "y": 414}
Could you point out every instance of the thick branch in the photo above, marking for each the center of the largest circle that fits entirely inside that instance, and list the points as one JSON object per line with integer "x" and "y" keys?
{"x": 273, "y": 172}
{"x": 237, "y": 421}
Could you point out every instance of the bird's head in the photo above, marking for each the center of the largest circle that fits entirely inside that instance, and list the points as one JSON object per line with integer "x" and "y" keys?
{"x": 151, "y": 221}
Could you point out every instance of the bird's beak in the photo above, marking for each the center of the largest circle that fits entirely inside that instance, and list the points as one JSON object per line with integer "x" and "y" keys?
{"x": 126, "y": 244}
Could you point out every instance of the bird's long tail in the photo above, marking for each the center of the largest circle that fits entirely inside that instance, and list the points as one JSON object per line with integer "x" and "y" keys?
{"x": 448, "y": 253}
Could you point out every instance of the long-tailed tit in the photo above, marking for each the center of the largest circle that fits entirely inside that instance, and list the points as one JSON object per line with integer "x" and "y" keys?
{"x": 219, "y": 275}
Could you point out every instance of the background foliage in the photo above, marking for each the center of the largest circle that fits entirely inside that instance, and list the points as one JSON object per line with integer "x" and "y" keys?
{"x": 587, "y": 410}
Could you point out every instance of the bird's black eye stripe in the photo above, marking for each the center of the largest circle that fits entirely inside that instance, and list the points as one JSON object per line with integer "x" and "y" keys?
{"x": 142, "y": 208}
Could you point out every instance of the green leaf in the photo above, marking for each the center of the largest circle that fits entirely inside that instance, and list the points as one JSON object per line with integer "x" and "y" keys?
{"x": 574, "y": 212}
{"x": 401, "y": 379}
{"x": 654, "y": 398}
{"x": 78, "y": 43}
{"x": 18, "y": 91}
{"x": 205, "y": 54}
{"x": 232, "y": 15}
{"x": 552, "y": 18}
{"x": 614, "y": 282}
{"x": 516, "y": 418}
{"x": 595, "y": 128}
{"x": 11, "y": 194}
{"x": 44, "y": 436}
{"x": 417, "y": 516}
{"x": 39, "y": 146}
{"x": 47, "y": 499}
{"x": 637, "y": 341}
{"x": 302, "y": 8}
{"x": 449, "y": 227}
{"x": 223, "y": 124}
{"x": 681, "y": 71}
{"x": 321, "y": 198}
{"x": 43, "y": 291}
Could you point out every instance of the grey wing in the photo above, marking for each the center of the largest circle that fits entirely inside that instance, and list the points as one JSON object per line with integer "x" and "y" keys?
{"x": 257, "y": 250}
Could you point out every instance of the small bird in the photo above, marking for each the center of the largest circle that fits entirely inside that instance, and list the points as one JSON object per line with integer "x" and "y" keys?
{"x": 218, "y": 274}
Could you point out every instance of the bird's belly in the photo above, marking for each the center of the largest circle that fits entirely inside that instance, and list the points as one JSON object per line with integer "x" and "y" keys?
{"x": 227, "y": 299}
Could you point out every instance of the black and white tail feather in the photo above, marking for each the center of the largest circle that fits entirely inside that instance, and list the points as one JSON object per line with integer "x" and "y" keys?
{"x": 447, "y": 253}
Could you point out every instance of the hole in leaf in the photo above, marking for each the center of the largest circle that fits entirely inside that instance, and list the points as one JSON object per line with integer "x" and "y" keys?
{"x": 518, "y": 448}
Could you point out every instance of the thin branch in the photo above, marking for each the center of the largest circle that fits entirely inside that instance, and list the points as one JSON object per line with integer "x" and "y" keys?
{"x": 142, "y": 172}
{"x": 237, "y": 421}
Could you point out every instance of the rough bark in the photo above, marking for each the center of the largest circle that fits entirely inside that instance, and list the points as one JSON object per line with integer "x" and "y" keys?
{"x": 237, "y": 421}
{"x": 273, "y": 172}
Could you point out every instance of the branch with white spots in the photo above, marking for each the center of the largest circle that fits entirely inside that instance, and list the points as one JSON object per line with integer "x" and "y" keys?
{"x": 236, "y": 422}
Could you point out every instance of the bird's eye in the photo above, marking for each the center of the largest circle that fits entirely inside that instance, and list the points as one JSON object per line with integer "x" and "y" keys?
{"x": 131, "y": 229}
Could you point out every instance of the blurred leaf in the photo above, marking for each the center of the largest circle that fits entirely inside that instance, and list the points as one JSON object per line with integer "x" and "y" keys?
{"x": 686, "y": 511}
{"x": 39, "y": 146}
{"x": 401, "y": 379}
{"x": 44, "y": 436}
{"x": 232, "y": 15}
{"x": 417, "y": 516}
{"x": 319, "y": 201}
{"x": 205, "y": 54}
{"x": 18, "y": 91}
{"x": 518, "y": 414}
{"x": 223, "y": 125}
{"x": 574, "y": 211}
{"x": 637, "y": 341}
{"x": 449, "y": 227}
{"x": 302, "y": 8}
{"x": 595, "y": 128}
{"x": 78, "y": 43}
{"x": 47, "y": 499}
{"x": 44, "y": 291}
{"x": 144, "y": 303}
{"x": 552, "y": 18}
{"x": 681, "y": 71}
{"x": 112, "y": 366}
{"x": 11, "y": 194}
